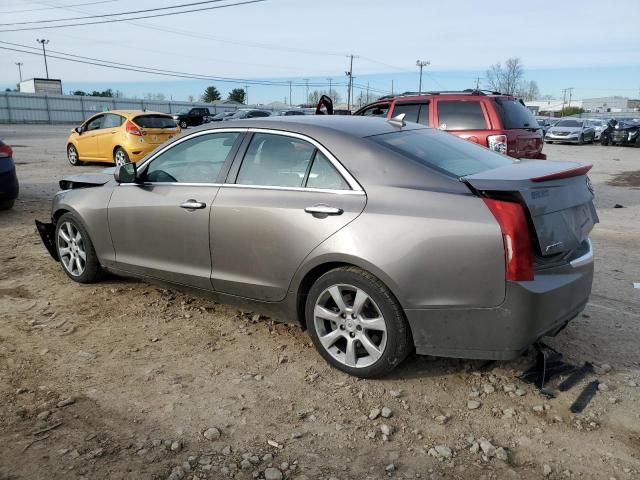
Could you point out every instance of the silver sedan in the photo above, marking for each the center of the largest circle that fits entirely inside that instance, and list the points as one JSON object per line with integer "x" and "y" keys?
{"x": 571, "y": 130}
{"x": 378, "y": 237}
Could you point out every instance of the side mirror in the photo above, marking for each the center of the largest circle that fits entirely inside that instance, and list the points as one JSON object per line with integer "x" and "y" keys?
{"x": 127, "y": 173}
{"x": 79, "y": 130}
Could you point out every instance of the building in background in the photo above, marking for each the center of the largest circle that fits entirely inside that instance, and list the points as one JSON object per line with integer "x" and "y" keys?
{"x": 551, "y": 106}
{"x": 49, "y": 86}
{"x": 610, "y": 104}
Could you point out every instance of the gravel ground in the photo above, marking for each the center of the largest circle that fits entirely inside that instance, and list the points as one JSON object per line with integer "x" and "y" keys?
{"x": 122, "y": 379}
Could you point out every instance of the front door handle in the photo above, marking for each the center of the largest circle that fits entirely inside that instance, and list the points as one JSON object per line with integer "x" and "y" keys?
{"x": 323, "y": 210}
{"x": 192, "y": 204}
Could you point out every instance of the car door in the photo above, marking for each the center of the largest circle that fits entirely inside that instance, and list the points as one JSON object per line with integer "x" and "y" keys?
{"x": 107, "y": 135}
{"x": 284, "y": 196}
{"x": 160, "y": 226}
{"x": 87, "y": 142}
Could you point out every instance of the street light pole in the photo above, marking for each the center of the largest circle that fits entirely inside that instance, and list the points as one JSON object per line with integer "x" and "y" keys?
{"x": 290, "y": 102}
{"x": 19, "y": 64}
{"x": 421, "y": 64}
{"x": 306, "y": 81}
{"x": 330, "y": 80}
{"x": 246, "y": 94}
{"x": 350, "y": 75}
{"x": 43, "y": 42}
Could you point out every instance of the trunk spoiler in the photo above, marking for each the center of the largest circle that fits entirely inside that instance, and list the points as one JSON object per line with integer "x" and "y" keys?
{"x": 572, "y": 172}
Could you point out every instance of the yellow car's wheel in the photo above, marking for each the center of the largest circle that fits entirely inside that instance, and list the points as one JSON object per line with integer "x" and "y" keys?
{"x": 72, "y": 156}
{"x": 120, "y": 157}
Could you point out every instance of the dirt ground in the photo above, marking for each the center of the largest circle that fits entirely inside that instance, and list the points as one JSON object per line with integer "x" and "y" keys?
{"x": 120, "y": 379}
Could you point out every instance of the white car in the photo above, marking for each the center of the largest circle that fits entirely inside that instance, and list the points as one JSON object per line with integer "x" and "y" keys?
{"x": 598, "y": 125}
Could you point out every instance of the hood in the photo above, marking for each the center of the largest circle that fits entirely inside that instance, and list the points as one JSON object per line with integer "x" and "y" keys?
{"x": 86, "y": 180}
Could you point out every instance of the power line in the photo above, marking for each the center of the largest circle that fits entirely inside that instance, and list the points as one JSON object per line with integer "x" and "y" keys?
{"x": 113, "y": 20}
{"x": 132, "y": 12}
{"x": 150, "y": 70}
{"x": 58, "y": 6}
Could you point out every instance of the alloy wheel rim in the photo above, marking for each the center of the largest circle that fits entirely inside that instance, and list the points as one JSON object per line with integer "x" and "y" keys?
{"x": 120, "y": 158}
{"x": 73, "y": 155}
{"x": 350, "y": 326}
{"x": 71, "y": 249}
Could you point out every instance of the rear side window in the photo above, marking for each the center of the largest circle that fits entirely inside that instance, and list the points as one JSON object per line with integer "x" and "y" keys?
{"x": 460, "y": 115}
{"x": 154, "y": 121}
{"x": 112, "y": 120}
{"x": 376, "y": 111}
{"x": 414, "y": 112}
{"x": 441, "y": 151}
{"x": 514, "y": 114}
{"x": 324, "y": 175}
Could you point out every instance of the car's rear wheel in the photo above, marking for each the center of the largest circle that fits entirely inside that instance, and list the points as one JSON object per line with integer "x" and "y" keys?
{"x": 72, "y": 156}
{"x": 120, "y": 157}
{"x": 6, "y": 204}
{"x": 75, "y": 250}
{"x": 356, "y": 323}
{"x": 183, "y": 124}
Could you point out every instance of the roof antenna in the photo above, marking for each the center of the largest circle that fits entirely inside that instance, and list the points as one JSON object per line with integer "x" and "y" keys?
{"x": 398, "y": 120}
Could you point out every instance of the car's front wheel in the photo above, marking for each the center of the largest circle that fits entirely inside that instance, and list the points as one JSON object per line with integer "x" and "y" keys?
{"x": 120, "y": 157}
{"x": 356, "y": 323}
{"x": 75, "y": 250}
{"x": 6, "y": 204}
{"x": 183, "y": 124}
{"x": 72, "y": 156}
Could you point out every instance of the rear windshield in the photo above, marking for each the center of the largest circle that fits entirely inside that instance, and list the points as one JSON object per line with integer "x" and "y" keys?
{"x": 155, "y": 121}
{"x": 442, "y": 151}
{"x": 569, "y": 123}
{"x": 514, "y": 114}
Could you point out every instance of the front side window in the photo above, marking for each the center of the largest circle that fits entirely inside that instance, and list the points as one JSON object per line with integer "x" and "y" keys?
{"x": 275, "y": 160}
{"x": 460, "y": 115}
{"x": 376, "y": 111}
{"x": 112, "y": 120}
{"x": 95, "y": 123}
{"x": 197, "y": 160}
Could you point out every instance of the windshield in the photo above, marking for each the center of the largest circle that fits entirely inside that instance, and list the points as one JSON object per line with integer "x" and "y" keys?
{"x": 569, "y": 123}
{"x": 240, "y": 114}
{"x": 515, "y": 115}
{"x": 596, "y": 123}
{"x": 155, "y": 121}
{"x": 442, "y": 151}
{"x": 184, "y": 111}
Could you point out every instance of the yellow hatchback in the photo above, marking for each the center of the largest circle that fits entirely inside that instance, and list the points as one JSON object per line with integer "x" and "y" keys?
{"x": 119, "y": 136}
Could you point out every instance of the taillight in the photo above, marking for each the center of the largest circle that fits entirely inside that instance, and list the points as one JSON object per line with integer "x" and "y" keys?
{"x": 132, "y": 128}
{"x": 515, "y": 234}
{"x": 5, "y": 151}
{"x": 497, "y": 143}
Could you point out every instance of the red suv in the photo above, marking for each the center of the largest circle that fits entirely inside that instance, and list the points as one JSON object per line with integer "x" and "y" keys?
{"x": 494, "y": 120}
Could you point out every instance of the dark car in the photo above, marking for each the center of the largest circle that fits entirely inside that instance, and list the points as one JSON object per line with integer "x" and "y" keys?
{"x": 624, "y": 131}
{"x": 243, "y": 113}
{"x": 8, "y": 178}
{"x": 288, "y": 113}
{"x": 192, "y": 117}
{"x": 546, "y": 123}
{"x": 491, "y": 119}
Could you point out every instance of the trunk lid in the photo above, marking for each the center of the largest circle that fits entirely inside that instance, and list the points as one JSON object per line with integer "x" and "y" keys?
{"x": 557, "y": 195}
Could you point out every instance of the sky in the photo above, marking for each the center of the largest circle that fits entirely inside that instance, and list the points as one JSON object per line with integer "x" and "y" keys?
{"x": 575, "y": 44}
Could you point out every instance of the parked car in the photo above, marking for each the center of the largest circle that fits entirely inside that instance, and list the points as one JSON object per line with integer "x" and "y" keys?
{"x": 493, "y": 253}
{"x": 598, "y": 126}
{"x": 9, "y": 187}
{"x": 571, "y": 130}
{"x": 288, "y": 113}
{"x": 192, "y": 117}
{"x": 544, "y": 123}
{"x": 500, "y": 122}
{"x": 243, "y": 113}
{"x": 624, "y": 131}
{"x": 119, "y": 136}
{"x": 221, "y": 116}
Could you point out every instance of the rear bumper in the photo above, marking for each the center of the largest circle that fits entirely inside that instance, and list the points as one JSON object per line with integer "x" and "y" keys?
{"x": 9, "y": 187}
{"x": 530, "y": 311}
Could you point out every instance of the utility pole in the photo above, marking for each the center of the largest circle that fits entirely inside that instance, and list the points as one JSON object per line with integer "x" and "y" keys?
{"x": 350, "y": 75}
{"x": 290, "y": 103}
{"x": 367, "y": 92}
{"x": 392, "y": 88}
{"x": 43, "y": 42}
{"x": 570, "y": 93}
{"x": 421, "y": 64}
{"x": 246, "y": 94}
{"x": 330, "y": 80}
{"x": 564, "y": 98}
{"x": 19, "y": 64}
{"x": 306, "y": 81}
{"x": 477, "y": 83}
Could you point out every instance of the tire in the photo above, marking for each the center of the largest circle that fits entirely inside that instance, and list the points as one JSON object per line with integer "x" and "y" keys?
{"x": 6, "y": 204}
{"x": 549, "y": 142}
{"x": 183, "y": 124}
{"x": 120, "y": 157}
{"x": 72, "y": 155}
{"x": 581, "y": 140}
{"x": 79, "y": 270}
{"x": 604, "y": 141}
{"x": 339, "y": 337}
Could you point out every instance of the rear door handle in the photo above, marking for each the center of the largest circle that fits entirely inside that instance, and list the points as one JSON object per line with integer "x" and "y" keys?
{"x": 324, "y": 210}
{"x": 192, "y": 204}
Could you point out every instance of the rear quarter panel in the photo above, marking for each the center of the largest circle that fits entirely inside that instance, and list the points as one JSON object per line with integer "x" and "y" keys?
{"x": 430, "y": 248}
